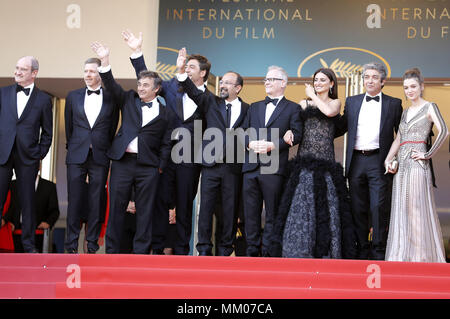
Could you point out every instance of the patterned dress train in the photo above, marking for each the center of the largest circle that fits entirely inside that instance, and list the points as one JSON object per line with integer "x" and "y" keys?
{"x": 414, "y": 230}
{"x": 314, "y": 218}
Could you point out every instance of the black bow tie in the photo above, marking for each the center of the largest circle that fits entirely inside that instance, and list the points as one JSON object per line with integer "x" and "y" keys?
{"x": 369, "y": 98}
{"x": 148, "y": 104}
{"x": 89, "y": 92}
{"x": 268, "y": 100}
{"x": 21, "y": 88}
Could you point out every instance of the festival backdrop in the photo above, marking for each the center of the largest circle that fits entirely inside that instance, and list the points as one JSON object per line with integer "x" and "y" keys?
{"x": 302, "y": 35}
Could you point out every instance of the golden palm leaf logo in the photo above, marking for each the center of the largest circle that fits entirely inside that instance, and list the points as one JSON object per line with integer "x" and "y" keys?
{"x": 166, "y": 71}
{"x": 342, "y": 67}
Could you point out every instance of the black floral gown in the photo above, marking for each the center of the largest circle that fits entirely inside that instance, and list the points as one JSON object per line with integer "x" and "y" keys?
{"x": 314, "y": 218}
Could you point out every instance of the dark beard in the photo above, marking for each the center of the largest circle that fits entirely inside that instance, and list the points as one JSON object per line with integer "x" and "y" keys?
{"x": 224, "y": 94}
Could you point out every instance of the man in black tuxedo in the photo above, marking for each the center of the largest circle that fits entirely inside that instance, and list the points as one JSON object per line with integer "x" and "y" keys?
{"x": 221, "y": 172}
{"x": 186, "y": 170}
{"x": 139, "y": 153}
{"x": 26, "y": 128}
{"x": 91, "y": 117}
{"x": 47, "y": 211}
{"x": 371, "y": 119}
{"x": 266, "y": 159}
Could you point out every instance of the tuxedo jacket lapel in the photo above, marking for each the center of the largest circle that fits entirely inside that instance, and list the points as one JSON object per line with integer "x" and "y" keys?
{"x": 179, "y": 106}
{"x": 357, "y": 109}
{"x": 223, "y": 112}
{"x": 384, "y": 110}
{"x": 103, "y": 108}
{"x": 276, "y": 112}
{"x": 13, "y": 99}
{"x": 29, "y": 104}
{"x": 137, "y": 104}
{"x": 161, "y": 109}
{"x": 80, "y": 105}
{"x": 241, "y": 115}
{"x": 262, "y": 113}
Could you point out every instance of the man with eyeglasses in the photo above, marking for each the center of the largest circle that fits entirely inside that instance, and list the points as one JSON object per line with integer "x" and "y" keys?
{"x": 26, "y": 130}
{"x": 271, "y": 118}
{"x": 221, "y": 173}
{"x": 371, "y": 119}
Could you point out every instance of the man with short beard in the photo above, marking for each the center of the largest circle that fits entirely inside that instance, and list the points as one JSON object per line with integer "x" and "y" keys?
{"x": 220, "y": 174}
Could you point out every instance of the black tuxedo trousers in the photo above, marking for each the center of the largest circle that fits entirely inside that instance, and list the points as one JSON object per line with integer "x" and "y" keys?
{"x": 124, "y": 173}
{"x": 26, "y": 178}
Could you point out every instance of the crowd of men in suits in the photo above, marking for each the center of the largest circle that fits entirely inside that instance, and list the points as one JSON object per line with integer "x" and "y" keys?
{"x": 144, "y": 155}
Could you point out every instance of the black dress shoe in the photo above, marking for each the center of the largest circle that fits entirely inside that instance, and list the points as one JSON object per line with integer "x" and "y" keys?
{"x": 71, "y": 251}
{"x": 158, "y": 252}
{"x": 91, "y": 251}
{"x": 204, "y": 253}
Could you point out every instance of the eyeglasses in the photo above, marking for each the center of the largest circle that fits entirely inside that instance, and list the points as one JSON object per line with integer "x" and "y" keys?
{"x": 227, "y": 83}
{"x": 271, "y": 80}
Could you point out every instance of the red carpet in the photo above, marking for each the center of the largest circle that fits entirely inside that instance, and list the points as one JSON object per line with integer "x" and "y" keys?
{"x": 188, "y": 277}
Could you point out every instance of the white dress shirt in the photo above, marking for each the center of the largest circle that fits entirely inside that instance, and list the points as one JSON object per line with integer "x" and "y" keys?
{"x": 22, "y": 99}
{"x": 148, "y": 114}
{"x": 93, "y": 105}
{"x": 235, "y": 110}
{"x": 189, "y": 105}
{"x": 270, "y": 108}
{"x": 368, "y": 130}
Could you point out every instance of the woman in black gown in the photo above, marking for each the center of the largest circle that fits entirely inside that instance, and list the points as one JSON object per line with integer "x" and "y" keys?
{"x": 314, "y": 218}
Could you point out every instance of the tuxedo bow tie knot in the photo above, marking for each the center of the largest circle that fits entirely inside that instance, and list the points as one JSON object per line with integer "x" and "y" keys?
{"x": 89, "y": 92}
{"x": 268, "y": 100}
{"x": 21, "y": 88}
{"x": 148, "y": 104}
{"x": 376, "y": 98}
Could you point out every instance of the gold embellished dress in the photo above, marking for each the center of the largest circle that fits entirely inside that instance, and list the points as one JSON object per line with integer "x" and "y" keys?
{"x": 414, "y": 230}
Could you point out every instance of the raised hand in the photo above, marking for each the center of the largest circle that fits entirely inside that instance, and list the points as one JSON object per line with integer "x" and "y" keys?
{"x": 134, "y": 43}
{"x": 100, "y": 50}
{"x": 309, "y": 91}
{"x": 181, "y": 60}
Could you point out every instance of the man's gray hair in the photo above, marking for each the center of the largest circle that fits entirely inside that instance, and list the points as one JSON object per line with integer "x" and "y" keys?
{"x": 284, "y": 74}
{"x": 375, "y": 66}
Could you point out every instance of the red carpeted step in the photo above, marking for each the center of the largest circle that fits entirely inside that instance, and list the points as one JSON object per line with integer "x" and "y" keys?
{"x": 145, "y": 276}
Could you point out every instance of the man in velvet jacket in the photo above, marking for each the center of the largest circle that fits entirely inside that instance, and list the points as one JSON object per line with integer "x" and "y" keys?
{"x": 26, "y": 126}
